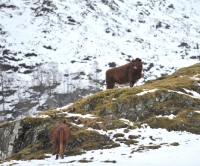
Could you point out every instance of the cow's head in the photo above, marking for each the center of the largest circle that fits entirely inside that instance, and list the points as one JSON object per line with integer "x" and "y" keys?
{"x": 138, "y": 64}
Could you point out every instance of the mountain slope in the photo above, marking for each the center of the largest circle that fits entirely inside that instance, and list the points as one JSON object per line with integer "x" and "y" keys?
{"x": 70, "y": 45}
{"x": 115, "y": 118}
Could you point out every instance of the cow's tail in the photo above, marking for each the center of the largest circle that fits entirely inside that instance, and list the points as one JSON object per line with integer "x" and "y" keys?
{"x": 61, "y": 143}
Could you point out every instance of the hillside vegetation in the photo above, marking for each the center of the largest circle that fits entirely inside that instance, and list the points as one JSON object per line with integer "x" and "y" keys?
{"x": 172, "y": 94}
{"x": 53, "y": 52}
{"x": 153, "y": 103}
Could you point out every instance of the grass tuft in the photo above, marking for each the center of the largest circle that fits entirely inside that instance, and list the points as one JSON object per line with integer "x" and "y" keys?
{"x": 175, "y": 144}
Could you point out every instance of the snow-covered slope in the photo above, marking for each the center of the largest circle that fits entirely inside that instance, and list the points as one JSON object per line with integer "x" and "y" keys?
{"x": 80, "y": 40}
{"x": 152, "y": 147}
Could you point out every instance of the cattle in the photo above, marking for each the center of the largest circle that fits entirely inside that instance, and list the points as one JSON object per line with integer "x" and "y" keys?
{"x": 59, "y": 137}
{"x": 128, "y": 73}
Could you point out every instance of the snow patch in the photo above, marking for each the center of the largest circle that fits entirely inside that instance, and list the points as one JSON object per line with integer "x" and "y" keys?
{"x": 193, "y": 93}
{"x": 146, "y": 91}
{"x": 195, "y": 77}
{"x": 167, "y": 116}
{"x": 128, "y": 155}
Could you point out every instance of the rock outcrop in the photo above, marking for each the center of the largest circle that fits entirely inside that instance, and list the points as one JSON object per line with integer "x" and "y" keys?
{"x": 9, "y": 133}
{"x": 152, "y": 103}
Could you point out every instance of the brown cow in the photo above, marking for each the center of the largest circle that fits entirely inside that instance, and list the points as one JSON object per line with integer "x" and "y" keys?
{"x": 129, "y": 72}
{"x": 59, "y": 136}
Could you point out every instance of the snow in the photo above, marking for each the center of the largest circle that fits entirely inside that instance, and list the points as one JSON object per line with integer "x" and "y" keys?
{"x": 127, "y": 121}
{"x": 87, "y": 38}
{"x": 186, "y": 153}
{"x": 82, "y": 116}
{"x": 28, "y": 33}
{"x": 91, "y": 40}
{"x": 195, "y": 77}
{"x": 194, "y": 94}
{"x": 146, "y": 91}
{"x": 168, "y": 116}
{"x": 189, "y": 93}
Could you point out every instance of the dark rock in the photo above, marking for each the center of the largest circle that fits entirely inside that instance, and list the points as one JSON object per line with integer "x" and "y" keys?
{"x": 48, "y": 47}
{"x": 30, "y": 54}
{"x": 7, "y": 6}
{"x": 189, "y": 114}
{"x": 11, "y": 58}
{"x": 141, "y": 21}
{"x": 158, "y": 25}
{"x": 5, "y": 67}
{"x": 183, "y": 44}
{"x": 112, "y": 64}
{"x": 6, "y": 52}
{"x": 108, "y": 114}
{"x": 87, "y": 58}
{"x": 149, "y": 67}
{"x": 171, "y": 6}
{"x": 26, "y": 66}
{"x": 73, "y": 61}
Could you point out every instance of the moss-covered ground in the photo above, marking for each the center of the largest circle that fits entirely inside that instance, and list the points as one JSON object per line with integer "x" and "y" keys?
{"x": 102, "y": 106}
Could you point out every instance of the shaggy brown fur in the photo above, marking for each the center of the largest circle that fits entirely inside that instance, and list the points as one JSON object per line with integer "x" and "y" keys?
{"x": 129, "y": 72}
{"x": 59, "y": 136}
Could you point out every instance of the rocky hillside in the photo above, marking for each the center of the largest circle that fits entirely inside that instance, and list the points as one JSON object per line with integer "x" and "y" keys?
{"x": 53, "y": 52}
{"x": 171, "y": 102}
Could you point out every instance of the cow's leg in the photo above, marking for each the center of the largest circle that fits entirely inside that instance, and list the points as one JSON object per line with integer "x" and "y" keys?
{"x": 57, "y": 151}
{"x": 54, "y": 145}
{"x": 54, "y": 149}
{"x": 64, "y": 145}
{"x": 110, "y": 85}
{"x": 132, "y": 83}
{"x": 57, "y": 156}
{"x": 110, "y": 82}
